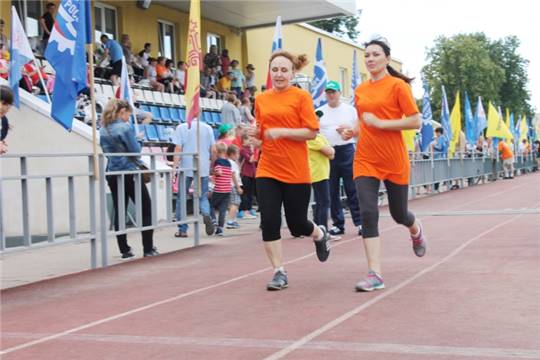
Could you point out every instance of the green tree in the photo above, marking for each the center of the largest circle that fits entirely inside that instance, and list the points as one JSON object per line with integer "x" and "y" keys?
{"x": 513, "y": 92}
{"x": 462, "y": 63}
{"x": 340, "y": 25}
{"x": 474, "y": 63}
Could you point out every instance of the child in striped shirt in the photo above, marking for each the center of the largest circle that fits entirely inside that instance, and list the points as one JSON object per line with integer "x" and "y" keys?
{"x": 223, "y": 179}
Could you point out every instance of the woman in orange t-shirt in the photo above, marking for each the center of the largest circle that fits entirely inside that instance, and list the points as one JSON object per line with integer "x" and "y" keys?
{"x": 385, "y": 106}
{"x": 285, "y": 119}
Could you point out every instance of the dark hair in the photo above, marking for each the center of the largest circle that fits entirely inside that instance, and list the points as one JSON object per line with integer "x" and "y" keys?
{"x": 168, "y": 62}
{"x": 6, "y": 95}
{"x": 180, "y": 63}
{"x": 160, "y": 59}
{"x": 390, "y": 69}
{"x": 147, "y": 45}
{"x": 104, "y": 37}
{"x": 50, "y": 5}
{"x": 439, "y": 130}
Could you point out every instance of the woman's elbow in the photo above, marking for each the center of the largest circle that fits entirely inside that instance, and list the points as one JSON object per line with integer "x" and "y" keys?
{"x": 416, "y": 122}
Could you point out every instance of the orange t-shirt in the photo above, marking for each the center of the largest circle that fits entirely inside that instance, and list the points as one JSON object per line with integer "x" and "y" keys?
{"x": 382, "y": 153}
{"x": 284, "y": 159}
{"x": 504, "y": 150}
{"x": 161, "y": 71}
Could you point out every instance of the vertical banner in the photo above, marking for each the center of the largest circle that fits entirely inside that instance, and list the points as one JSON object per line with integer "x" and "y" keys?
{"x": 194, "y": 62}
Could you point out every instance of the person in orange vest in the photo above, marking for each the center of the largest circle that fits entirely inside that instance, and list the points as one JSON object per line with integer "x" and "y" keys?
{"x": 507, "y": 156}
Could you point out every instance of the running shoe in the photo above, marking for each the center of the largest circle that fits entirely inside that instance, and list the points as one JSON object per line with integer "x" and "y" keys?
{"x": 336, "y": 231}
{"x": 373, "y": 281}
{"x": 232, "y": 225}
{"x": 334, "y": 238}
{"x": 209, "y": 225}
{"x": 278, "y": 282}
{"x": 419, "y": 242}
{"x": 323, "y": 246}
{"x": 219, "y": 231}
{"x": 253, "y": 212}
{"x": 240, "y": 214}
{"x": 128, "y": 254}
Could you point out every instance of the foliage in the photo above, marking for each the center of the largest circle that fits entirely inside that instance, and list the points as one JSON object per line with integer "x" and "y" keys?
{"x": 473, "y": 63}
{"x": 340, "y": 25}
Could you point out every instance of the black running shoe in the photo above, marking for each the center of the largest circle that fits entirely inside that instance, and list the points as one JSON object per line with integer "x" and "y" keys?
{"x": 323, "y": 246}
{"x": 279, "y": 281}
{"x": 209, "y": 225}
{"x": 128, "y": 254}
{"x": 336, "y": 231}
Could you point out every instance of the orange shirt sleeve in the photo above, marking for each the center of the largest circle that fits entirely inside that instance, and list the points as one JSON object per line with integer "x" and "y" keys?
{"x": 405, "y": 99}
{"x": 307, "y": 112}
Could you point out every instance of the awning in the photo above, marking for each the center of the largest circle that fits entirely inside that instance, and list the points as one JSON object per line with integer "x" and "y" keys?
{"x": 260, "y": 13}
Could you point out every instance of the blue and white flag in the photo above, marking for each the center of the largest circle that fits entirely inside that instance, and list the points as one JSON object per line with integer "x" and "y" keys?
{"x": 426, "y": 131}
{"x": 355, "y": 80}
{"x": 480, "y": 119}
{"x": 125, "y": 92}
{"x": 66, "y": 53}
{"x": 21, "y": 53}
{"x": 445, "y": 116}
{"x": 277, "y": 44}
{"x": 318, "y": 84}
{"x": 471, "y": 133}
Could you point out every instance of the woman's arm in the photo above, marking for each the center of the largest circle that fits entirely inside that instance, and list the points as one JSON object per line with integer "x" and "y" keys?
{"x": 408, "y": 123}
{"x": 328, "y": 151}
{"x": 302, "y": 134}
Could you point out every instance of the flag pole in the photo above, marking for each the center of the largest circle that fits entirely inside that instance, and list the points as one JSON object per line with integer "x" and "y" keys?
{"x": 90, "y": 48}
{"x": 41, "y": 80}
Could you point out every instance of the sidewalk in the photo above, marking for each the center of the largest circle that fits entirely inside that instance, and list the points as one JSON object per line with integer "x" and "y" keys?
{"x": 28, "y": 266}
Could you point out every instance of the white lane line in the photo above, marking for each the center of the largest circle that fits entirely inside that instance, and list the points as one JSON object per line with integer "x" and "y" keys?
{"x": 332, "y": 324}
{"x": 165, "y": 301}
{"x": 333, "y": 346}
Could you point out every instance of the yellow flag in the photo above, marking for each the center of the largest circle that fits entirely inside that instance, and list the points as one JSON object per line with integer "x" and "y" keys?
{"x": 523, "y": 128}
{"x": 455, "y": 123}
{"x": 194, "y": 62}
{"x": 507, "y": 118}
{"x": 496, "y": 126}
{"x": 408, "y": 138}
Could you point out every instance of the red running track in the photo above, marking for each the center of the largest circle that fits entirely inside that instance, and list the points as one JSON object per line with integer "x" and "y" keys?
{"x": 475, "y": 295}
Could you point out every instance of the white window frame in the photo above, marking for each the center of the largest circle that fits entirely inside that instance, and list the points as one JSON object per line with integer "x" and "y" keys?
{"x": 209, "y": 42}
{"x": 98, "y": 32}
{"x": 173, "y": 41}
{"x": 23, "y": 15}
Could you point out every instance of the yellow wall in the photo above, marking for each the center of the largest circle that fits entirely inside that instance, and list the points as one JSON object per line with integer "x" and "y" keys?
{"x": 141, "y": 25}
{"x": 299, "y": 39}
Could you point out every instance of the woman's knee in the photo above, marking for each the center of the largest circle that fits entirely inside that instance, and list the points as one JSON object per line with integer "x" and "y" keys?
{"x": 402, "y": 217}
{"x": 370, "y": 220}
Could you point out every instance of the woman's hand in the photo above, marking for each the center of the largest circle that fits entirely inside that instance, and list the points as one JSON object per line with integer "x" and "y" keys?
{"x": 274, "y": 134}
{"x": 371, "y": 120}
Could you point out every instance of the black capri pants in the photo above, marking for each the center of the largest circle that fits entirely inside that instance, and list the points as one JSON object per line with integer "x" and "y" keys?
{"x": 367, "y": 190}
{"x": 271, "y": 194}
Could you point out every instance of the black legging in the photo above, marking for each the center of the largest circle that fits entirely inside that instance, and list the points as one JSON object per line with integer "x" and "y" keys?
{"x": 146, "y": 206}
{"x": 271, "y": 194}
{"x": 367, "y": 190}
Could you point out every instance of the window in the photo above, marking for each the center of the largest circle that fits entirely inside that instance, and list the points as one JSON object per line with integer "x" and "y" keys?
{"x": 343, "y": 80}
{"x": 166, "y": 39}
{"x": 29, "y": 12}
{"x": 105, "y": 21}
{"x": 213, "y": 39}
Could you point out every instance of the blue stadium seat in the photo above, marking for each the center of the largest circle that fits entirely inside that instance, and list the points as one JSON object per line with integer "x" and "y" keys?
{"x": 182, "y": 115}
{"x": 216, "y": 117}
{"x": 156, "y": 115}
{"x": 175, "y": 115}
{"x": 163, "y": 133}
{"x": 165, "y": 114}
{"x": 151, "y": 132}
{"x": 146, "y": 108}
{"x": 207, "y": 117}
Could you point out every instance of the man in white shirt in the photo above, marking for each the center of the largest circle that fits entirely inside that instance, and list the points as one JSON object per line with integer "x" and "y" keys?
{"x": 185, "y": 139}
{"x": 338, "y": 114}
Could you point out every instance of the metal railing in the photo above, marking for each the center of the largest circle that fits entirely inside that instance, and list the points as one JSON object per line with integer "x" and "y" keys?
{"x": 16, "y": 195}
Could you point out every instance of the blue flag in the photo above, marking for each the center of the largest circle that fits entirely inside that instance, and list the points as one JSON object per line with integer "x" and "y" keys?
{"x": 355, "y": 80}
{"x": 445, "y": 116}
{"x": 21, "y": 53}
{"x": 426, "y": 131}
{"x": 318, "y": 84}
{"x": 471, "y": 133}
{"x": 480, "y": 119}
{"x": 66, "y": 53}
